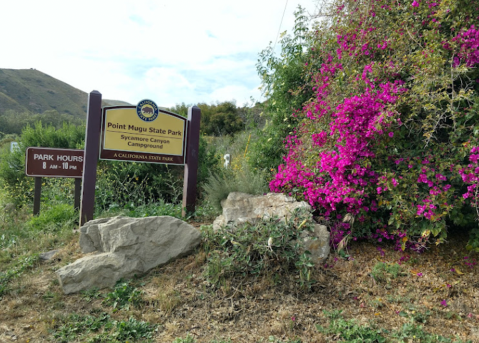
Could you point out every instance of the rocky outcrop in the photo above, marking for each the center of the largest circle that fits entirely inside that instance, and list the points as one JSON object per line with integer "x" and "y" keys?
{"x": 126, "y": 246}
{"x": 240, "y": 208}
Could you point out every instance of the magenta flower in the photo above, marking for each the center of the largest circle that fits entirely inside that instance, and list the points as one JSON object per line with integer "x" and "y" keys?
{"x": 391, "y": 134}
{"x": 415, "y": 4}
{"x": 419, "y": 274}
{"x": 444, "y": 303}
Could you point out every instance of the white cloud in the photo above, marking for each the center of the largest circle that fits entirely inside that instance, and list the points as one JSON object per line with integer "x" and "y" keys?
{"x": 182, "y": 51}
{"x": 238, "y": 93}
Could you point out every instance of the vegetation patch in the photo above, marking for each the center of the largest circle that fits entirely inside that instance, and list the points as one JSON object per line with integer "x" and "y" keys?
{"x": 124, "y": 295}
{"x": 15, "y": 271}
{"x": 258, "y": 249}
{"x": 102, "y": 329}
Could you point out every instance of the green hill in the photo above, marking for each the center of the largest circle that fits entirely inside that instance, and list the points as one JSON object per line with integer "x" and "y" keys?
{"x": 36, "y": 92}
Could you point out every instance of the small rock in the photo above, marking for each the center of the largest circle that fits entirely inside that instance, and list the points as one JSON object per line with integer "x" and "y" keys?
{"x": 45, "y": 256}
{"x": 316, "y": 242}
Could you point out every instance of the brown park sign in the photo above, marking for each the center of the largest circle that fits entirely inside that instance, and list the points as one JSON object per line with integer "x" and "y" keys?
{"x": 50, "y": 162}
{"x": 143, "y": 133}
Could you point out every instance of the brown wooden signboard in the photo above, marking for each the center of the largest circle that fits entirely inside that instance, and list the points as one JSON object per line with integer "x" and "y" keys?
{"x": 51, "y": 162}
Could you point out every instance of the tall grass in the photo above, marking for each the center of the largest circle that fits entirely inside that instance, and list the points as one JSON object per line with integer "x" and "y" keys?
{"x": 240, "y": 176}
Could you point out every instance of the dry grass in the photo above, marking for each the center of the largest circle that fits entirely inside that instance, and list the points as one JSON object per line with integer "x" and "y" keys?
{"x": 181, "y": 301}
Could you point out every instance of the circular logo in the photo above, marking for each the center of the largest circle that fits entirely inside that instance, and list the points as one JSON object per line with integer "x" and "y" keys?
{"x": 147, "y": 110}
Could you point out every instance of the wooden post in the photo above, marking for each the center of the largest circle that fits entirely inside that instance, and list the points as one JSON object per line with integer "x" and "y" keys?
{"x": 37, "y": 196}
{"x": 92, "y": 145}
{"x": 191, "y": 165}
{"x": 77, "y": 194}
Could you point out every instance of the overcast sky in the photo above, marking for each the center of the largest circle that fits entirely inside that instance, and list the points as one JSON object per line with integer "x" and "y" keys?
{"x": 168, "y": 51}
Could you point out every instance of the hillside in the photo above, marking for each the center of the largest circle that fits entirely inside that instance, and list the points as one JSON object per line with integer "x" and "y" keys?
{"x": 31, "y": 90}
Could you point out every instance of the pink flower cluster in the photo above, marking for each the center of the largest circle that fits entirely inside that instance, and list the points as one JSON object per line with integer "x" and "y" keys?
{"x": 469, "y": 48}
{"x": 470, "y": 176}
{"x": 355, "y": 123}
{"x": 470, "y": 262}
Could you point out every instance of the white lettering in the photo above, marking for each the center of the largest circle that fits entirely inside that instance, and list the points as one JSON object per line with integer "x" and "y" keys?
{"x": 43, "y": 157}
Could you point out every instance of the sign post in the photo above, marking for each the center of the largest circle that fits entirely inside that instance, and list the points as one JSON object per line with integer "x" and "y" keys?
{"x": 52, "y": 162}
{"x": 92, "y": 140}
{"x": 142, "y": 133}
{"x": 191, "y": 166}
{"x": 37, "y": 196}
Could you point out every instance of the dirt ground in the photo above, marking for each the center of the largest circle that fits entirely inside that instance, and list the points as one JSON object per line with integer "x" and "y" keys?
{"x": 441, "y": 285}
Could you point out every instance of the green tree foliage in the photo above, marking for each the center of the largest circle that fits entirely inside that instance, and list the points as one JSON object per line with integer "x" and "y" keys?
{"x": 220, "y": 119}
{"x": 223, "y": 118}
{"x": 12, "y": 122}
{"x": 285, "y": 84}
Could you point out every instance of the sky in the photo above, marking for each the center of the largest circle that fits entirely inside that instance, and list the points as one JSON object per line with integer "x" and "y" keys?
{"x": 171, "y": 52}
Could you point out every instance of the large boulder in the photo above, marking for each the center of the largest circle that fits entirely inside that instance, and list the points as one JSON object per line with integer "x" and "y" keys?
{"x": 240, "y": 208}
{"x": 126, "y": 246}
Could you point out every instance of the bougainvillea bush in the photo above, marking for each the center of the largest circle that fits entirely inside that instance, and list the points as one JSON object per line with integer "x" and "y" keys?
{"x": 390, "y": 137}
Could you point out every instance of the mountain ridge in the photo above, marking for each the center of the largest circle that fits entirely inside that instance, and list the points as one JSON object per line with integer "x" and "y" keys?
{"x": 30, "y": 90}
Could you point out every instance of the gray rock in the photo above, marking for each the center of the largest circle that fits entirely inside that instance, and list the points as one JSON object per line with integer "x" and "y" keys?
{"x": 90, "y": 236}
{"x": 102, "y": 270}
{"x": 127, "y": 246}
{"x": 316, "y": 242}
{"x": 239, "y": 208}
{"x": 45, "y": 256}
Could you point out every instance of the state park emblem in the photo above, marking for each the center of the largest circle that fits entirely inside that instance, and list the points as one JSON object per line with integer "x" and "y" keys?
{"x": 147, "y": 110}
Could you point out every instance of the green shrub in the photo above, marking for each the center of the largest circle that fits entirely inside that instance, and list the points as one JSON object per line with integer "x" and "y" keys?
{"x": 123, "y": 296}
{"x": 389, "y": 133}
{"x": 12, "y": 164}
{"x": 222, "y": 118}
{"x": 53, "y": 219}
{"x": 256, "y": 249}
{"x": 13, "y": 122}
{"x": 286, "y": 86}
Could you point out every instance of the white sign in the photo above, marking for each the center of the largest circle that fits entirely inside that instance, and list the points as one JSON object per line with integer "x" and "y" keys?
{"x": 14, "y": 146}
